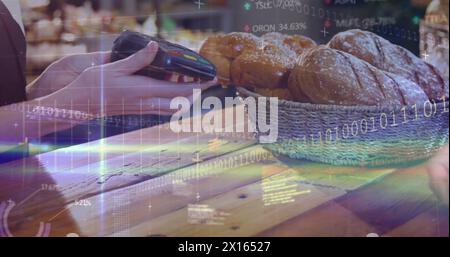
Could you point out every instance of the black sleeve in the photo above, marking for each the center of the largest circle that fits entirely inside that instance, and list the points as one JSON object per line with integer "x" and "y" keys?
{"x": 12, "y": 59}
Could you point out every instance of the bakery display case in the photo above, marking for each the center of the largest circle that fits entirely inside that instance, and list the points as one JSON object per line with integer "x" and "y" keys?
{"x": 434, "y": 35}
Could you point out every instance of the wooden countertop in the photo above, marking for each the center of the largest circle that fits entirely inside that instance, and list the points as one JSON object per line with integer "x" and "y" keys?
{"x": 154, "y": 182}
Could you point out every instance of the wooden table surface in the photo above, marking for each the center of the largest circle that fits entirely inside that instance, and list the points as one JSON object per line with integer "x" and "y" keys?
{"x": 154, "y": 182}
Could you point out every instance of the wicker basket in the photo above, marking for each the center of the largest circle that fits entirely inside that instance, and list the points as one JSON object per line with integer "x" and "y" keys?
{"x": 358, "y": 136}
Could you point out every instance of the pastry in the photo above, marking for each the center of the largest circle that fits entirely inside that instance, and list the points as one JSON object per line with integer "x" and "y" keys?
{"x": 263, "y": 68}
{"x": 221, "y": 50}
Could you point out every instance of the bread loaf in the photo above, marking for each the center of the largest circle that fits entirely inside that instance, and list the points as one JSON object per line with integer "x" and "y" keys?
{"x": 329, "y": 76}
{"x": 270, "y": 65}
{"x": 296, "y": 43}
{"x": 248, "y": 61}
{"x": 391, "y": 58}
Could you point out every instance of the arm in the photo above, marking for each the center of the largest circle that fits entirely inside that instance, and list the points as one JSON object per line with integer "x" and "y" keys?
{"x": 17, "y": 125}
{"x": 90, "y": 85}
{"x": 63, "y": 72}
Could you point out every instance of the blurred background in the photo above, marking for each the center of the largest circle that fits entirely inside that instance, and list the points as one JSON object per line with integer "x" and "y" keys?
{"x": 55, "y": 28}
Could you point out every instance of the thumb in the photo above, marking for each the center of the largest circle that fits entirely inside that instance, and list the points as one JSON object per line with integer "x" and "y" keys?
{"x": 80, "y": 63}
{"x": 135, "y": 62}
{"x": 100, "y": 58}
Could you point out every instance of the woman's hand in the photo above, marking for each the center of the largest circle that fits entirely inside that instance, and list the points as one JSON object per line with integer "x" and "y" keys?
{"x": 63, "y": 72}
{"x": 83, "y": 87}
{"x": 113, "y": 89}
{"x": 438, "y": 169}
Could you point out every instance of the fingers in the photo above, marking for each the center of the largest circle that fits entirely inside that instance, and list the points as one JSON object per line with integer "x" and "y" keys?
{"x": 148, "y": 87}
{"x": 438, "y": 170}
{"x": 81, "y": 62}
{"x": 443, "y": 158}
{"x": 137, "y": 81}
{"x": 439, "y": 182}
{"x": 211, "y": 83}
{"x": 158, "y": 106}
{"x": 134, "y": 63}
{"x": 438, "y": 167}
{"x": 100, "y": 58}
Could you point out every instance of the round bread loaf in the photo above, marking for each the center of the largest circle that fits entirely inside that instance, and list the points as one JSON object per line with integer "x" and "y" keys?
{"x": 329, "y": 76}
{"x": 296, "y": 43}
{"x": 211, "y": 51}
{"x": 392, "y": 58}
